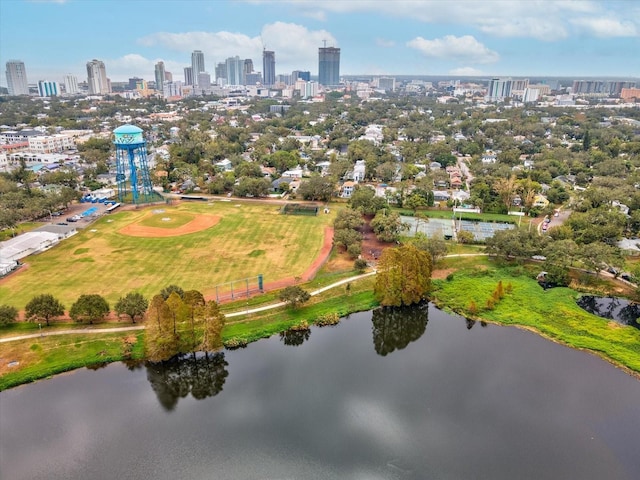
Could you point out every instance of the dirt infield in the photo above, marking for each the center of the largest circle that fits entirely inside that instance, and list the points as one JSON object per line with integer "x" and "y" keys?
{"x": 201, "y": 222}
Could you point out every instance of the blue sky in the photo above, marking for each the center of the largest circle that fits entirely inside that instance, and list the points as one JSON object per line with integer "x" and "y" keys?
{"x": 580, "y": 38}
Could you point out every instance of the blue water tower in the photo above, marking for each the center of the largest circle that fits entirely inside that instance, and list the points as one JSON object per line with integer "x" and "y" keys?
{"x": 131, "y": 158}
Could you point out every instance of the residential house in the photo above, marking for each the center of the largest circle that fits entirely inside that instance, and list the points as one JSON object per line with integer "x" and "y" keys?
{"x": 347, "y": 189}
{"x": 359, "y": 170}
{"x": 224, "y": 165}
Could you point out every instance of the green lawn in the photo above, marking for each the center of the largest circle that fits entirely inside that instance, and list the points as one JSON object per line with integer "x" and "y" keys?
{"x": 554, "y": 312}
{"x": 108, "y": 263}
{"x": 21, "y": 228}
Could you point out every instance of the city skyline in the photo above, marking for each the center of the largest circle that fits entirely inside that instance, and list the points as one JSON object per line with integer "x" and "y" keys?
{"x": 405, "y": 37}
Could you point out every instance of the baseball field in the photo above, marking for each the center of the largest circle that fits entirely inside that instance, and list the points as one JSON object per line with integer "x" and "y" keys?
{"x": 193, "y": 245}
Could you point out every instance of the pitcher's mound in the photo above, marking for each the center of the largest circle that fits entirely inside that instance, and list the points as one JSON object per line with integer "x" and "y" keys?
{"x": 201, "y": 222}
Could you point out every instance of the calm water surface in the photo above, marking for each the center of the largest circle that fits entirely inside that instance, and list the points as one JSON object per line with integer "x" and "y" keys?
{"x": 385, "y": 395}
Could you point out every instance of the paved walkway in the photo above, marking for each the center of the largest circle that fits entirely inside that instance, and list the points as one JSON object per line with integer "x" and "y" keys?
{"x": 47, "y": 333}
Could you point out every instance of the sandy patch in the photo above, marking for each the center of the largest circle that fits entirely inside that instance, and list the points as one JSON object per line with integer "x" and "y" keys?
{"x": 201, "y": 222}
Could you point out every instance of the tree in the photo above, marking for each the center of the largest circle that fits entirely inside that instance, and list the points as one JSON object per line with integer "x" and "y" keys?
{"x": 167, "y": 291}
{"x": 404, "y": 276}
{"x": 348, "y": 218}
{"x": 8, "y": 314}
{"x": 132, "y": 304}
{"x": 317, "y": 188}
{"x": 91, "y": 307}
{"x": 437, "y": 247}
{"x": 294, "y": 296}
{"x": 387, "y": 226}
{"x": 214, "y": 322}
{"x": 43, "y": 307}
{"x": 365, "y": 200}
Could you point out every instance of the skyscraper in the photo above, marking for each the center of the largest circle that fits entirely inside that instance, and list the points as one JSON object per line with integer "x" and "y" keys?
{"x": 499, "y": 89}
{"x": 197, "y": 65}
{"x": 188, "y": 75}
{"x": 221, "y": 73}
{"x": 235, "y": 71}
{"x": 329, "y": 66}
{"x": 70, "y": 84}
{"x": 268, "y": 67}
{"x": 17, "y": 78}
{"x": 160, "y": 76}
{"x": 97, "y": 78}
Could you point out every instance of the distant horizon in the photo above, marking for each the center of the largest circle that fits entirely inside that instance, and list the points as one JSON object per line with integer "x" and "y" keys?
{"x": 461, "y": 38}
{"x": 352, "y": 77}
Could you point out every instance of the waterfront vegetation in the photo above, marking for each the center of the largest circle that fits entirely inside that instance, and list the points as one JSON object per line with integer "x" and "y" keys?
{"x": 553, "y": 312}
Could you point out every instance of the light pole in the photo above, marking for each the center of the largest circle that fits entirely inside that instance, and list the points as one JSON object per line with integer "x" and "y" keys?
{"x": 40, "y": 327}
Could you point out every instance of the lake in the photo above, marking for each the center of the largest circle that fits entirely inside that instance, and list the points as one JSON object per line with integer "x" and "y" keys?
{"x": 389, "y": 394}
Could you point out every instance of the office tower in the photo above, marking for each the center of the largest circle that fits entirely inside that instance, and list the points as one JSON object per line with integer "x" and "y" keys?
{"x": 253, "y": 78}
{"x": 387, "y": 84}
{"x": 329, "y": 66}
{"x": 168, "y": 76}
{"x": 197, "y": 65}
{"x": 160, "y": 76}
{"x": 248, "y": 66}
{"x": 48, "y": 89}
{"x": 133, "y": 83}
{"x": 235, "y": 71}
{"x": 269, "y": 67}
{"x": 221, "y": 73}
{"x": 300, "y": 75}
{"x": 204, "y": 81}
{"x": 70, "y": 84}
{"x": 499, "y": 89}
{"x": 17, "y": 78}
{"x": 188, "y": 75}
{"x": 97, "y": 78}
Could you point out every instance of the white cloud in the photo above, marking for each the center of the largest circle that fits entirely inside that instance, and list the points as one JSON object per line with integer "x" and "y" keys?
{"x": 384, "y": 43}
{"x": 466, "y": 71}
{"x": 607, "y": 27}
{"x": 136, "y": 65}
{"x": 546, "y": 20}
{"x": 294, "y": 44}
{"x": 462, "y": 49}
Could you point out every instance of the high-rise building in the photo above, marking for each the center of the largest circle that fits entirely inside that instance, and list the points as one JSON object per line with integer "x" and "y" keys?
{"x": 168, "y": 76}
{"x": 204, "y": 81}
{"x": 300, "y": 75}
{"x": 133, "y": 83}
{"x": 499, "y": 89}
{"x": 269, "y": 67}
{"x": 253, "y": 78}
{"x": 248, "y": 66}
{"x": 17, "y": 78}
{"x": 329, "y": 66}
{"x": 160, "y": 76}
{"x": 235, "y": 71}
{"x": 70, "y": 84}
{"x": 188, "y": 75}
{"x": 97, "y": 78}
{"x": 221, "y": 73}
{"x": 48, "y": 89}
{"x": 197, "y": 65}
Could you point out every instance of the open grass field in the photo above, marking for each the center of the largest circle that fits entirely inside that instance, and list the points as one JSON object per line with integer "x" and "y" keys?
{"x": 554, "y": 312}
{"x": 248, "y": 239}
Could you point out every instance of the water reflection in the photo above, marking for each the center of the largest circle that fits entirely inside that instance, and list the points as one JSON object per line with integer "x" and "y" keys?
{"x": 396, "y": 327}
{"x": 613, "y": 308}
{"x": 202, "y": 375}
{"x": 295, "y": 337}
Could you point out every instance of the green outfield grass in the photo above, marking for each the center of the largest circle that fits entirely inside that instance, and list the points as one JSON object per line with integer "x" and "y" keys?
{"x": 101, "y": 260}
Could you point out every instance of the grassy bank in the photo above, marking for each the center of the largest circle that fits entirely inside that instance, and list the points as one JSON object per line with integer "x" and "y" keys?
{"x": 552, "y": 313}
{"x": 49, "y": 355}
{"x": 45, "y": 356}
